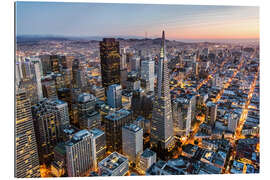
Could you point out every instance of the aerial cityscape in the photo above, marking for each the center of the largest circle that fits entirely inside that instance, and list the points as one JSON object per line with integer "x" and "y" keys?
{"x": 134, "y": 89}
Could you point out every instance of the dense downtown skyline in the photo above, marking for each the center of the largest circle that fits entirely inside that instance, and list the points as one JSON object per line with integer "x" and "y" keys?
{"x": 182, "y": 22}
{"x": 96, "y": 98}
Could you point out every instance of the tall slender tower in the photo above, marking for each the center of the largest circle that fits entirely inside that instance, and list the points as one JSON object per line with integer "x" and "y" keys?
{"x": 27, "y": 162}
{"x": 162, "y": 123}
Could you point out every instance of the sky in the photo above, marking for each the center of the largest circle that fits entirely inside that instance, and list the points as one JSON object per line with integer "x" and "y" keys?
{"x": 100, "y": 19}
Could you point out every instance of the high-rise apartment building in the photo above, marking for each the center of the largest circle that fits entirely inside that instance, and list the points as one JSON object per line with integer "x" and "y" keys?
{"x": 110, "y": 62}
{"x": 162, "y": 122}
{"x": 114, "y": 96}
{"x": 26, "y": 157}
{"x": 132, "y": 142}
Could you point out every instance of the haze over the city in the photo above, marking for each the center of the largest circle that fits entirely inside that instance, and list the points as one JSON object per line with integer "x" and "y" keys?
{"x": 181, "y": 22}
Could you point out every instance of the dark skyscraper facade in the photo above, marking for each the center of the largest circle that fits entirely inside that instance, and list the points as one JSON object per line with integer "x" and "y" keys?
{"x": 110, "y": 62}
{"x": 27, "y": 162}
{"x": 162, "y": 123}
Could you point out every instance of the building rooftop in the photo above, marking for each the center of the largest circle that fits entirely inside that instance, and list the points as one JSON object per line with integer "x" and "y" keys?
{"x": 78, "y": 136}
{"x": 118, "y": 115}
{"x": 85, "y": 97}
{"x": 113, "y": 161}
{"x": 147, "y": 153}
{"x": 60, "y": 148}
{"x": 96, "y": 132}
{"x": 132, "y": 127}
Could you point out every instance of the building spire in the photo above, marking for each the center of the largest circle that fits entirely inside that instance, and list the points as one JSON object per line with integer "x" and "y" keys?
{"x": 162, "y": 50}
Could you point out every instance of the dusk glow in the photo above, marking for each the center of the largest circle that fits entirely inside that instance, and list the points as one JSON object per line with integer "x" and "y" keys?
{"x": 180, "y": 21}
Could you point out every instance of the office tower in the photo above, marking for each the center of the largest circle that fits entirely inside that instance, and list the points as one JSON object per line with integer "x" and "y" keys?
{"x": 178, "y": 119}
{"x": 64, "y": 94}
{"x": 49, "y": 87}
{"x": 75, "y": 92}
{"x": 137, "y": 102}
{"x": 114, "y": 96}
{"x": 30, "y": 89}
{"x": 98, "y": 92}
{"x": 182, "y": 114}
{"x": 69, "y": 59}
{"x": 135, "y": 64}
{"x": 132, "y": 142}
{"x": 88, "y": 117}
{"x": 26, "y": 69}
{"x": 211, "y": 113}
{"x": 79, "y": 153}
{"x": 48, "y": 122}
{"x": 110, "y": 62}
{"x": 148, "y": 158}
{"x": 99, "y": 145}
{"x": 162, "y": 123}
{"x": 55, "y": 64}
{"x": 123, "y": 62}
{"x": 26, "y": 157}
{"x": 36, "y": 71}
{"x": 63, "y": 61}
{"x": 133, "y": 81}
{"x": 147, "y": 104}
{"x": 79, "y": 76}
{"x": 59, "y": 80}
{"x": 123, "y": 77}
{"x": 113, "y": 128}
{"x": 113, "y": 165}
{"x": 148, "y": 73}
{"x": 61, "y": 107}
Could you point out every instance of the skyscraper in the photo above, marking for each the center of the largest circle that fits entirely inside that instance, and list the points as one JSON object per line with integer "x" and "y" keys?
{"x": 37, "y": 70}
{"x": 47, "y": 122}
{"x": 162, "y": 123}
{"x": 114, "y": 96}
{"x": 78, "y": 73}
{"x": 148, "y": 73}
{"x": 135, "y": 64}
{"x": 110, "y": 62}
{"x": 132, "y": 142}
{"x": 27, "y": 162}
{"x": 113, "y": 128}
{"x": 49, "y": 87}
{"x": 79, "y": 153}
{"x": 99, "y": 145}
{"x": 88, "y": 117}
